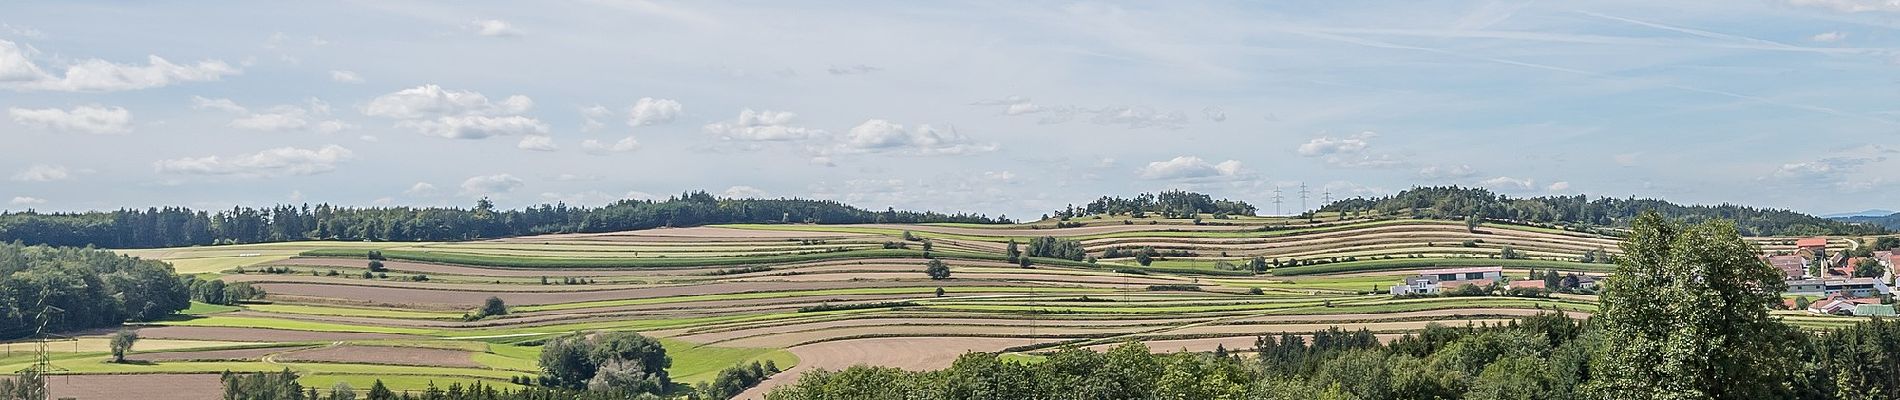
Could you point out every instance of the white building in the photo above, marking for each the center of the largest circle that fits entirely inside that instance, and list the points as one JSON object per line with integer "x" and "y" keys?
{"x": 1430, "y": 282}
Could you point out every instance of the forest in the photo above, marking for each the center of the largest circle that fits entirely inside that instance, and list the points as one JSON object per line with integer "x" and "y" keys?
{"x": 175, "y": 226}
{"x": 1169, "y": 203}
{"x": 1453, "y": 202}
{"x": 81, "y": 288}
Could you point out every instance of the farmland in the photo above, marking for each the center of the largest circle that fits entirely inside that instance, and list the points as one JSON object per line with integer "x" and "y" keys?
{"x": 818, "y": 296}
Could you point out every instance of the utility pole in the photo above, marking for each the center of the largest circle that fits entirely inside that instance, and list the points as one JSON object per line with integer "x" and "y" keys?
{"x": 1327, "y": 198}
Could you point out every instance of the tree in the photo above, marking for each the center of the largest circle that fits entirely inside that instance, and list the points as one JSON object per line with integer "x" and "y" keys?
{"x": 939, "y": 292}
{"x": 493, "y": 307}
{"x": 121, "y": 343}
{"x": 936, "y": 269}
{"x": 1687, "y": 317}
{"x": 1144, "y": 258}
{"x": 1472, "y": 222}
{"x": 1868, "y": 268}
{"x": 1012, "y": 251}
{"x": 1887, "y": 243}
{"x": 623, "y": 361}
{"x": 377, "y": 391}
{"x": 342, "y": 391}
{"x": 377, "y": 266}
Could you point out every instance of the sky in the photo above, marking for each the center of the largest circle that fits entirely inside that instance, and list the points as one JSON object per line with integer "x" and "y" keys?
{"x": 1003, "y": 107}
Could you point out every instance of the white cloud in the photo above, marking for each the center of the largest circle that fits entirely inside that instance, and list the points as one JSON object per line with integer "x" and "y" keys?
{"x": 26, "y": 201}
{"x": 537, "y": 143}
{"x": 420, "y": 189}
{"x": 43, "y": 173}
{"x": 1557, "y": 187}
{"x": 1328, "y": 145}
{"x": 494, "y": 28}
{"x": 1828, "y": 37}
{"x": 491, "y": 184}
{"x": 1505, "y": 182}
{"x": 282, "y": 161}
{"x": 342, "y": 76}
{"x": 1214, "y": 114}
{"x": 18, "y": 72}
{"x": 1447, "y": 172}
{"x": 591, "y": 117}
{"x": 430, "y": 101}
{"x": 999, "y": 176}
{"x": 1191, "y": 167}
{"x": 743, "y": 192}
{"x": 650, "y": 111}
{"x": 765, "y": 125}
{"x": 597, "y": 147}
{"x": 1139, "y": 117}
{"x": 478, "y": 126}
{"x": 881, "y": 135}
{"x": 1135, "y": 117}
{"x": 221, "y": 104}
{"x": 456, "y": 114}
{"x": 87, "y": 118}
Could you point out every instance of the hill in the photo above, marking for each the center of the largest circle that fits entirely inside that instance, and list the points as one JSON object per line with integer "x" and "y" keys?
{"x": 1453, "y": 202}
{"x": 1890, "y": 221}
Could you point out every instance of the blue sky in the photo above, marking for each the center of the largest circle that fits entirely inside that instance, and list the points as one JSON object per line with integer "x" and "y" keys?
{"x": 993, "y": 107}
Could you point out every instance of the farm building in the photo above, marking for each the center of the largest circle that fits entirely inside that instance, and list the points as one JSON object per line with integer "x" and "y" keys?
{"x": 1856, "y": 287}
{"x": 1430, "y": 282}
{"x": 1792, "y": 267}
{"x": 1847, "y": 305}
{"x": 1812, "y": 244}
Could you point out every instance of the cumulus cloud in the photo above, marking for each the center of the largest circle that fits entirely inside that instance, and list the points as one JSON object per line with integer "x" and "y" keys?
{"x": 881, "y": 135}
{"x": 491, "y": 184}
{"x": 1447, "y": 172}
{"x": 761, "y": 126}
{"x": 341, "y": 76}
{"x": 202, "y": 103}
{"x": 282, "y": 161}
{"x": 537, "y": 143}
{"x": 420, "y": 189}
{"x": 1556, "y": 187}
{"x": 456, "y": 114}
{"x": 1505, "y": 182}
{"x": 1846, "y": 171}
{"x": 43, "y": 173}
{"x": 87, "y": 119}
{"x": 494, "y": 28}
{"x": 26, "y": 201}
{"x": 743, "y": 192}
{"x": 1138, "y": 117}
{"x": 19, "y": 72}
{"x": 1328, "y": 145}
{"x": 591, "y": 117}
{"x": 650, "y": 111}
{"x": 623, "y": 145}
{"x": 1191, "y": 167}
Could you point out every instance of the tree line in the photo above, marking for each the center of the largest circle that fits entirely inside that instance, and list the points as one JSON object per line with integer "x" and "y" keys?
{"x": 1169, "y": 203}
{"x": 81, "y": 288}
{"x": 1453, "y": 202}
{"x": 178, "y": 226}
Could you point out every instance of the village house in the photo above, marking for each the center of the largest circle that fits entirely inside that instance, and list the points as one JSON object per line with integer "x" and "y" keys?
{"x": 1856, "y": 287}
{"x": 1811, "y": 245}
{"x": 1792, "y": 267}
{"x": 1430, "y": 282}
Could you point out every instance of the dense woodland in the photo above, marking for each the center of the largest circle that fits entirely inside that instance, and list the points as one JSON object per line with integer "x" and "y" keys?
{"x": 1452, "y": 202}
{"x": 172, "y": 226}
{"x": 1890, "y": 221}
{"x": 78, "y": 288}
{"x": 1171, "y": 203}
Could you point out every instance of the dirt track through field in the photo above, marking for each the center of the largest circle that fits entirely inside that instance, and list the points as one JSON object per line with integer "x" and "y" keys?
{"x": 211, "y": 355}
{"x": 140, "y": 386}
{"x": 254, "y": 334}
{"x": 461, "y": 299}
{"x": 907, "y": 353}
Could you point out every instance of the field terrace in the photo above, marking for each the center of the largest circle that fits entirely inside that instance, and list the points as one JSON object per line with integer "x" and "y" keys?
{"x": 816, "y": 296}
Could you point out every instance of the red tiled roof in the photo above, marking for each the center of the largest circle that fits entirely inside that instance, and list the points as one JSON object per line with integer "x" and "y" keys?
{"x": 1527, "y": 284}
{"x": 1811, "y": 242}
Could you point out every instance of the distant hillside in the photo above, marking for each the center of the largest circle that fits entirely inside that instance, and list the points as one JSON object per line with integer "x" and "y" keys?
{"x": 1452, "y": 202}
{"x": 1890, "y": 221}
{"x": 1169, "y": 203}
{"x": 1876, "y": 213}
{"x": 177, "y": 226}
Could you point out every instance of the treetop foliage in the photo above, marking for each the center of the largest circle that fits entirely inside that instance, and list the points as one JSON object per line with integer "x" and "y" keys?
{"x": 1172, "y": 203}
{"x": 82, "y": 288}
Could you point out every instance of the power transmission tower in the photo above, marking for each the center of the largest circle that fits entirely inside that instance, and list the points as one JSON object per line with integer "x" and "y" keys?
{"x": 1276, "y": 201}
{"x": 1303, "y": 197}
{"x": 1326, "y": 198}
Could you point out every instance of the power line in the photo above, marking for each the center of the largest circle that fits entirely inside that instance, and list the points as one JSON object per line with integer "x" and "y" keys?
{"x": 1303, "y": 197}
{"x": 1276, "y": 201}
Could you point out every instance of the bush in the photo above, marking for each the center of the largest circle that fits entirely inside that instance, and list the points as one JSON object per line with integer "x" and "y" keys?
{"x": 858, "y": 306}
{"x": 1174, "y": 288}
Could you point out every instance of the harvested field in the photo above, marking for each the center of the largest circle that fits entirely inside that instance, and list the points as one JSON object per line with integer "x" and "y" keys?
{"x": 384, "y": 355}
{"x": 136, "y": 386}
{"x": 906, "y": 353}
{"x": 211, "y": 355}
{"x": 462, "y": 299}
{"x": 254, "y": 334}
